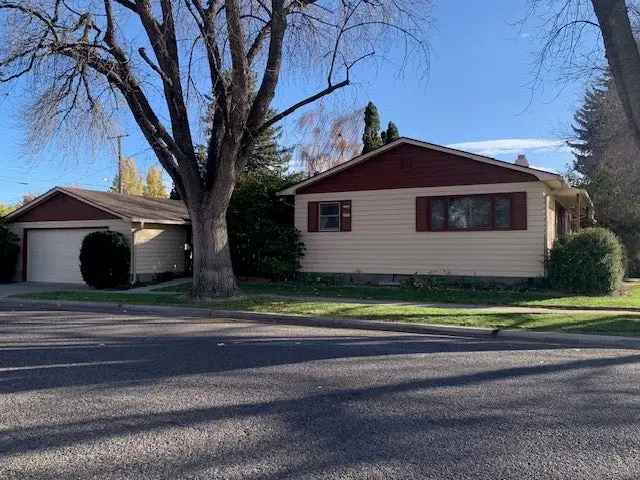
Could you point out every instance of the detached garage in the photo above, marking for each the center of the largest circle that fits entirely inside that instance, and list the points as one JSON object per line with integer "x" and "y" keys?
{"x": 52, "y": 228}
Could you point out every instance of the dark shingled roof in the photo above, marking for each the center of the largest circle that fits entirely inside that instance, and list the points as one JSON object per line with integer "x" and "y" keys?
{"x": 133, "y": 206}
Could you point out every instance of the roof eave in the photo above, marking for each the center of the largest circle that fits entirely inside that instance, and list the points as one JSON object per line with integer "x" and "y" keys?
{"x": 160, "y": 221}
{"x": 42, "y": 198}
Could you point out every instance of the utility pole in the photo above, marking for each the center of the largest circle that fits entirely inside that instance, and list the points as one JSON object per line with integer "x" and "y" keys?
{"x": 119, "y": 140}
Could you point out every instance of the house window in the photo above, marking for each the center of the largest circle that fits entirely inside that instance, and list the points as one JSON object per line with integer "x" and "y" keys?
{"x": 499, "y": 211}
{"x": 502, "y": 212}
{"x": 329, "y": 217}
{"x": 466, "y": 213}
{"x": 438, "y": 214}
{"x": 561, "y": 221}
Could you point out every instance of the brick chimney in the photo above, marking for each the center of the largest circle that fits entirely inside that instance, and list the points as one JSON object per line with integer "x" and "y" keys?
{"x": 522, "y": 160}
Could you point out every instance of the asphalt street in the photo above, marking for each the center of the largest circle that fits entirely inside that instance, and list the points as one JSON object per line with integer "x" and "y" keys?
{"x": 88, "y": 395}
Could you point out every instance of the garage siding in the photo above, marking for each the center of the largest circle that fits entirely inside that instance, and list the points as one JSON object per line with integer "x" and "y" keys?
{"x": 384, "y": 239}
{"x": 121, "y": 226}
{"x": 159, "y": 248}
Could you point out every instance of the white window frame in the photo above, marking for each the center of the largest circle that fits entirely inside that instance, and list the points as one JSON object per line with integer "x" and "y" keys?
{"x": 337, "y": 229}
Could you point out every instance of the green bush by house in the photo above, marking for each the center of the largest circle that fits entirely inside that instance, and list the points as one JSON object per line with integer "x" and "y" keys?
{"x": 9, "y": 249}
{"x": 590, "y": 262}
{"x": 263, "y": 240}
{"x": 105, "y": 258}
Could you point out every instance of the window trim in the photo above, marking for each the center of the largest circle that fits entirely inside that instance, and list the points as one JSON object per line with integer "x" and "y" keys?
{"x": 338, "y": 203}
{"x": 492, "y": 212}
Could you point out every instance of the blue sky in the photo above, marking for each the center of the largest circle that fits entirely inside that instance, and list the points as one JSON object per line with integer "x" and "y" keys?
{"x": 477, "y": 96}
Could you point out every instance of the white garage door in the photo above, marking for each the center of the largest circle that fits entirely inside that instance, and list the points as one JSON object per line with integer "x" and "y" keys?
{"x": 53, "y": 255}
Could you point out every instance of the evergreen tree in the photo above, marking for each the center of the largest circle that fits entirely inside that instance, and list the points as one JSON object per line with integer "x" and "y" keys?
{"x": 267, "y": 153}
{"x": 155, "y": 186}
{"x": 371, "y": 136}
{"x": 391, "y": 134}
{"x": 606, "y": 165}
{"x": 132, "y": 183}
{"x": 588, "y": 128}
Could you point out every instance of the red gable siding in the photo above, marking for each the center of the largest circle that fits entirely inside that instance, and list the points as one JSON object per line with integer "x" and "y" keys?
{"x": 61, "y": 207}
{"x": 410, "y": 166}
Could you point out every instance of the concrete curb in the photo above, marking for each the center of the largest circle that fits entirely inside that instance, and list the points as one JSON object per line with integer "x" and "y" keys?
{"x": 575, "y": 339}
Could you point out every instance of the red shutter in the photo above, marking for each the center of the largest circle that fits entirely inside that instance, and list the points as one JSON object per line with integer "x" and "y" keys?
{"x": 312, "y": 216}
{"x": 345, "y": 216}
{"x": 519, "y": 211}
{"x": 422, "y": 218}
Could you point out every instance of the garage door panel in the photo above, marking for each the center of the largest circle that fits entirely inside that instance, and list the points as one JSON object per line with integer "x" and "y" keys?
{"x": 53, "y": 255}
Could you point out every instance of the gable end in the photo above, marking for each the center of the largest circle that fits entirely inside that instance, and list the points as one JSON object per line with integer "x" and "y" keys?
{"x": 411, "y": 166}
{"x": 61, "y": 207}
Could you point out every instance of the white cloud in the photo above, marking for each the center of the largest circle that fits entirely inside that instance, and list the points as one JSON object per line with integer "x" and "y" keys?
{"x": 513, "y": 146}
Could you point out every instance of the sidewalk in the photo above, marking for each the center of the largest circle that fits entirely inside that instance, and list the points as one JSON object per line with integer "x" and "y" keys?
{"x": 156, "y": 286}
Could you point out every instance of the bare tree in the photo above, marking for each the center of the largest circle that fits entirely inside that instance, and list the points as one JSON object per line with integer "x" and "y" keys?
{"x": 614, "y": 20}
{"x": 623, "y": 57}
{"x": 157, "y": 57}
{"x": 328, "y": 140}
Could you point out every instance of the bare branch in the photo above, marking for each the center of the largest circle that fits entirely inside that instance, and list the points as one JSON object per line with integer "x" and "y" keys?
{"x": 155, "y": 68}
{"x": 317, "y": 96}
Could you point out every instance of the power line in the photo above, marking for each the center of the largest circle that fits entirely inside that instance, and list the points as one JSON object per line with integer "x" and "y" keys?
{"x": 140, "y": 152}
{"x": 49, "y": 182}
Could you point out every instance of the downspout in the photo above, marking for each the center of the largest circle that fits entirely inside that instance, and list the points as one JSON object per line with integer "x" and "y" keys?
{"x": 134, "y": 272}
{"x": 547, "y": 202}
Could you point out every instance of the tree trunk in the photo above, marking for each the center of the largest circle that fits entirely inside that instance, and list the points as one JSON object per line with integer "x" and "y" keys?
{"x": 623, "y": 57}
{"x": 212, "y": 270}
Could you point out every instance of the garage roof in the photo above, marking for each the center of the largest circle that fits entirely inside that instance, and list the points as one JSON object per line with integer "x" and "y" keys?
{"x": 131, "y": 207}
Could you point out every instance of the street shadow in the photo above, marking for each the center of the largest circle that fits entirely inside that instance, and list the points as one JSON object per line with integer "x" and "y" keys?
{"x": 324, "y": 421}
{"x": 388, "y": 421}
{"x": 86, "y": 349}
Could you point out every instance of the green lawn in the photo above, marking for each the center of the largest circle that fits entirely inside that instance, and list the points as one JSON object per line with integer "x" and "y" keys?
{"x": 596, "y": 322}
{"x": 629, "y": 298}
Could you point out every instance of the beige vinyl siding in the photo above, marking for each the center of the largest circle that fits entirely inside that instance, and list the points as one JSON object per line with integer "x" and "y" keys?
{"x": 551, "y": 221}
{"x": 159, "y": 248}
{"x": 384, "y": 240}
{"x": 18, "y": 228}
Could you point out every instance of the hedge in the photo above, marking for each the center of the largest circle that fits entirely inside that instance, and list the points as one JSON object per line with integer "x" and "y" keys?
{"x": 9, "y": 249}
{"x": 588, "y": 262}
{"x": 105, "y": 259}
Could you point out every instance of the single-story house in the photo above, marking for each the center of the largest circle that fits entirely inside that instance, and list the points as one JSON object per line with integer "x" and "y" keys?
{"x": 412, "y": 207}
{"x": 51, "y": 229}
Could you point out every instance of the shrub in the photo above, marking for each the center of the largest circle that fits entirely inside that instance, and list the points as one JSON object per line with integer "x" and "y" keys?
{"x": 322, "y": 279}
{"x": 105, "y": 259}
{"x": 590, "y": 262}
{"x": 263, "y": 240}
{"x": 9, "y": 249}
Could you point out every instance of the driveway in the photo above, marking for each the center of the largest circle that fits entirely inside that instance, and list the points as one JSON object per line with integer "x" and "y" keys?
{"x": 8, "y": 289}
{"x": 86, "y": 395}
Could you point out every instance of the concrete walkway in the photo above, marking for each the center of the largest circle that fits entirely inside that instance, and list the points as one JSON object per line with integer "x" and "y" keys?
{"x": 156, "y": 286}
{"x": 19, "y": 288}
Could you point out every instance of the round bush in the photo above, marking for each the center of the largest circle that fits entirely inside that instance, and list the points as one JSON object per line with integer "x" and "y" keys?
{"x": 105, "y": 258}
{"x": 590, "y": 261}
{"x": 9, "y": 248}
